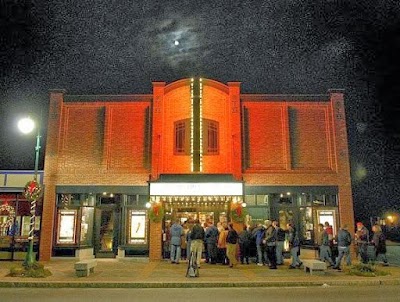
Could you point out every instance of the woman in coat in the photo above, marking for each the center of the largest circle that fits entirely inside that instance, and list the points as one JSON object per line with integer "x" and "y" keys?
{"x": 379, "y": 241}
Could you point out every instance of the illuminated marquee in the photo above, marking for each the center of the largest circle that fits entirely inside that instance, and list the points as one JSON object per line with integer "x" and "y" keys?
{"x": 196, "y": 189}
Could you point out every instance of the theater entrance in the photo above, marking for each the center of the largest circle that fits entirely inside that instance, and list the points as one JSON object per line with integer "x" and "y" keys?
{"x": 187, "y": 197}
{"x": 214, "y": 212}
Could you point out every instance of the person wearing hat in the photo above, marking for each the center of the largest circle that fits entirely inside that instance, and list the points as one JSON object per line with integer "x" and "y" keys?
{"x": 362, "y": 239}
{"x": 344, "y": 242}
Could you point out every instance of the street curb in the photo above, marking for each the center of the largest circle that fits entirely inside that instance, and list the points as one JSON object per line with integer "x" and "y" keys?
{"x": 196, "y": 284}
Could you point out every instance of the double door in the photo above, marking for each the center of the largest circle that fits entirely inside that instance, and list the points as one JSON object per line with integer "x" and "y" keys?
{"x": 107, "y": 231}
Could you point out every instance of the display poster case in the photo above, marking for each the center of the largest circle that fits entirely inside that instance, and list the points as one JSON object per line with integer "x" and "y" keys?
{"x": 137, "y": 227}
{"x": 66, "y": 226}
{"x": 307, "y": 225}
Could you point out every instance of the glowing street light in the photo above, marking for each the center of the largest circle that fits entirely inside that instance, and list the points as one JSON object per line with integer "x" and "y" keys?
{"x": 390, "y": 218}
{"x": 26, "y": 126}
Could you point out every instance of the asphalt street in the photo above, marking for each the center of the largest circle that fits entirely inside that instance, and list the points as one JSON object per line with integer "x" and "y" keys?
{"x": 309, "y": 294}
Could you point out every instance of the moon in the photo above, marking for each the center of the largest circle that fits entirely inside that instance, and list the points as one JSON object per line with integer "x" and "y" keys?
{"x": 176, "y": 42}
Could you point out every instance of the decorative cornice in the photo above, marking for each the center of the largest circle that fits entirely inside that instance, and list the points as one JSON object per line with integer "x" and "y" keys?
{"x": 285, "y": 97}
{"x": 109, "y": 98}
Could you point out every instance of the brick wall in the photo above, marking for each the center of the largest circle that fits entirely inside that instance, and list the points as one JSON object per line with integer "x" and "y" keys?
{"x": 215, "y": 107}
{"x": 321, "y": 125}
{"x": 50, "y": 174}
{"x": 103, "y": 143}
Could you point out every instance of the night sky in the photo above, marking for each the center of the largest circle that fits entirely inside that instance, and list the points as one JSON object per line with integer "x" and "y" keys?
{"x": 271, "y": 46}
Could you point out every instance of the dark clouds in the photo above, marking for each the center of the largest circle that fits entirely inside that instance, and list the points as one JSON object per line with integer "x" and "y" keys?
{"x": 287, "y": 46}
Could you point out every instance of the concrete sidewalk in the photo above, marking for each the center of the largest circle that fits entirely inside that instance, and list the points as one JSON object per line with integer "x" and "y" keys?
{"x": 134, "y": 273}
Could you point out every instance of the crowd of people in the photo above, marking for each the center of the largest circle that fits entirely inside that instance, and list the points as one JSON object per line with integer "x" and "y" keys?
{"x": 368, "y": 248}
{"x": 222, "y": 244}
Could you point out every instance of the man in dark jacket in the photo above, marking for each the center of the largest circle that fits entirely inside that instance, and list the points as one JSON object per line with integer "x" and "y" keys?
{"x": 211, "y": 235}
{"x": 270, "y": 241}
{"x": 280, "y": 242}
{"x": 244, "y": 244}
{"x": 362, "y": 240}
{"x": 294, "y": 245}
{"x": 231, "y": 243}
{"x": 344, "y": 242}
{"x": 197, "y": 238}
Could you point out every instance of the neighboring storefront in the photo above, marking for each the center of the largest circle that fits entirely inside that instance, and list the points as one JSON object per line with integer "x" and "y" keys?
{"x": 120, "y": 168}
{"x": 15, "y": 215}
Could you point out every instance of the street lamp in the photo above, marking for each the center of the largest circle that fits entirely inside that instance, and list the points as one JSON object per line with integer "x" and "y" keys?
{"x": 27, "y": 125}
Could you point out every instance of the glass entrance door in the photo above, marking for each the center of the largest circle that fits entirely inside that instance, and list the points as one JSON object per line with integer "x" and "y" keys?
{"x": 107, "y": 232}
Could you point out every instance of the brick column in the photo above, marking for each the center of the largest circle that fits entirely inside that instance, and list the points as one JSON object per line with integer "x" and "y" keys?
{"x": 235, "y": 126}
{"x": 50, "y": 174}
{"x": 346, "y": 211}
{"x": 157, "y": 127}
{"x": 155, "y": 241}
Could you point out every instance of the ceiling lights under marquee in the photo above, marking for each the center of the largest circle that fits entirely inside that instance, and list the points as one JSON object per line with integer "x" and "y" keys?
{"x": 159, "y": 205}
{"x": 196, "y": 201}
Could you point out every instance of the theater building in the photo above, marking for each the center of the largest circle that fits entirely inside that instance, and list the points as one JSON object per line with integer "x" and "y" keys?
{"x": 118, "y": 168}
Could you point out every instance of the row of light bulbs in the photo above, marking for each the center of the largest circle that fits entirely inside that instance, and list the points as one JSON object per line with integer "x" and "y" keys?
{"x": 196, "y": 200}
{"x": 234, "y": 199}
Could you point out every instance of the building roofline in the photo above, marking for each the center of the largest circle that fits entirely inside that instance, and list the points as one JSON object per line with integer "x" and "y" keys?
{"x": 285, "y": 97}
{"x": 108, "y": 98}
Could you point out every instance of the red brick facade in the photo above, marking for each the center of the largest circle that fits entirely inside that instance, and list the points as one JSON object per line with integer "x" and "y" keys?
{"x": 128, "y": 140}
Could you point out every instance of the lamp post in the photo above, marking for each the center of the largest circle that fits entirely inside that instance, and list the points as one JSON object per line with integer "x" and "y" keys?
{"x": 27, "y": 125}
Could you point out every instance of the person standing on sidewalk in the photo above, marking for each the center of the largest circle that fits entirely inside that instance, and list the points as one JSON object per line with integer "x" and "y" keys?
{"x": 222, "y": 244}
{"x": 197, "y": 238}
{"x": 362, "y": 240}
{"x": 188, "y": 239}
{"x": 211, "y": 242}
{"x": 325, "y": 253}
{"x": 176, "y": 238}
{"x": 379, "y": 242}
{"x": 259, "y": 234}
{"x": 184, "y": 240}
{"x": 344, "y": 242}
{"x": 244, "y": 245}
{"x": 231, "y": 243}
{"x": 270, "y": 242}
{"x": 294, "y": 245}
{"x": 280, "y": 242}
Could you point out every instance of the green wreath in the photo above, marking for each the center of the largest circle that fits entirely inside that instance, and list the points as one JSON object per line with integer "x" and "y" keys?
{"x": 156, "y": 214}
{"x": 239, "y": 217}
{"x": 32, "y": 190}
